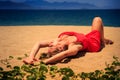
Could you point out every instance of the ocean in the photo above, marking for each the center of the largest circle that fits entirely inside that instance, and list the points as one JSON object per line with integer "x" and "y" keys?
{"x": 58, "y": 17}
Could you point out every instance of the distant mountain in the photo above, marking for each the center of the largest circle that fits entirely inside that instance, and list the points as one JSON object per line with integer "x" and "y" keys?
{"x": 45, "y": 5}
{"x": 12, "y": 5}
{"x": 62, "y": 5}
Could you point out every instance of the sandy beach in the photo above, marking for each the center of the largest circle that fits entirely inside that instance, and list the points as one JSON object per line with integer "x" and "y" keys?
{"x": 18, "y": 40}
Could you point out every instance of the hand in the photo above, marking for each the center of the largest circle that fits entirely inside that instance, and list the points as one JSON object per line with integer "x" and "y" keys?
{"x": 29, "y": 60}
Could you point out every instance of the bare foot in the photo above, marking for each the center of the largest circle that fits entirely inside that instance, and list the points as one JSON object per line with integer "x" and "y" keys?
{"x": 28, "y": 60}
{"x": 108, "y": 41}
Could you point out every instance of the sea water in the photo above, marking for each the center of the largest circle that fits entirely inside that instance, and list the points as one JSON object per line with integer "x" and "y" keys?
{"x": 58, "y": 17}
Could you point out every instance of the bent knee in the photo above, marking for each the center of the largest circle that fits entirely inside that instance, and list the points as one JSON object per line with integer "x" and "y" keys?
{"x": 98, "y": 19}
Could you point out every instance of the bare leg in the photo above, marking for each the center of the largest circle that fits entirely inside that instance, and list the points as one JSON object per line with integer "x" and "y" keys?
{"x": 97, "y": 24}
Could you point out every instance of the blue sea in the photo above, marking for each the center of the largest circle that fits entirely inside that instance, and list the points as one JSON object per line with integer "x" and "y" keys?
{"x": 58, "y": 17}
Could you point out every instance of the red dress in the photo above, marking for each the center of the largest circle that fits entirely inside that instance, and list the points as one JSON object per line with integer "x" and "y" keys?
{"x": 90, "y": 41}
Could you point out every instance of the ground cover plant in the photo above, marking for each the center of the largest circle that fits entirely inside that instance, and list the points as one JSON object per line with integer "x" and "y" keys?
{"x": 41, "y": 71}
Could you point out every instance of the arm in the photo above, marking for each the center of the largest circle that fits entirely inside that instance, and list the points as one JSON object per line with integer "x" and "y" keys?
{"x": 34, "y": 51}
{"x": 72, "y": 50}
{"x": 37, "y": 47}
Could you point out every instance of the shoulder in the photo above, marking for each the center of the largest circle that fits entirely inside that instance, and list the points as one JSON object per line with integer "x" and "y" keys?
{"x": 75, "y": 45}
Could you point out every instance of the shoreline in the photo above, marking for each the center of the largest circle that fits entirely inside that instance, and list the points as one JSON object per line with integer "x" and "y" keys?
{"x": 17, "y": 41}
{"x": 53, "y": 26}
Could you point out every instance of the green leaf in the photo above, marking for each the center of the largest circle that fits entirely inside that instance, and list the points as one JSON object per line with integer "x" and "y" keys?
{"x": 26, "y": 55}
{"x": 53, "y": 68}
{"x": 84, "y": 75}
{"x": 52, "y": 74}
{"x": 31, "y": 77}
{"x": 43, "y": 68}
{"x": 116, "y": 58}
{"x": 1, "y": 69}
{"x": 66, "y": 71}
{"x": 42, "y": 78}
{"x": 105, "y": 76}
{"x": 18, "y": 78}
{"x": 116, "y": 63}
{"x": 34, "y": 70}
{"x": 19, "y": 58}
{"x": 43, "y": 55}
{"x": 97, "y": 73}
{"x": 16, "y": 68}
{"x": 65, "y": 78}
{"x": 25, "y": 68}
{"x": 11, "y": 57}
{"x": 9, "y": 66}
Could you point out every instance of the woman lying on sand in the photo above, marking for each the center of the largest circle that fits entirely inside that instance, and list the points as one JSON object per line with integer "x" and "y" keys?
{"x": 70, "y": 43}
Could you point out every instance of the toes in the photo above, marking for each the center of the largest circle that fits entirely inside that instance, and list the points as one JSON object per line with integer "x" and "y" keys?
{"x": 107, "y": 41}
{"x": 111, "y": 42}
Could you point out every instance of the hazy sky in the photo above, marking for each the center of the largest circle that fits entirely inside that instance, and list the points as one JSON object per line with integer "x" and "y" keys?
{"x": 52, "y": 4}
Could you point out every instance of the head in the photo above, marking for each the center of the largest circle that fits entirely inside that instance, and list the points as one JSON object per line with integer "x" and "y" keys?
{"x": 57, "y": 46}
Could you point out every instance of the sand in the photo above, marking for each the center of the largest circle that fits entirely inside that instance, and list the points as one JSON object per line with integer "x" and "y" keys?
{"x": 18, "y": 40}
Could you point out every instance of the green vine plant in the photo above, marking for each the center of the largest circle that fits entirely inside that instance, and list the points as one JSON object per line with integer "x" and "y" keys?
{"x": 41, "y": 71}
